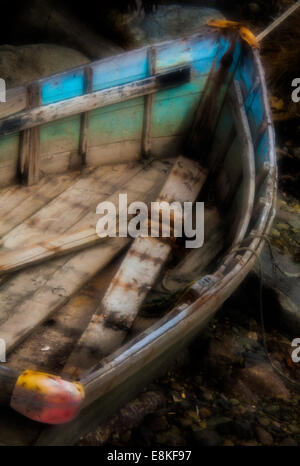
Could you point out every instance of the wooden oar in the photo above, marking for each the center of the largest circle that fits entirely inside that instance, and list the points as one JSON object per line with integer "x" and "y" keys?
{"x": 277, "y": 22}
{"x": 135, "y": 277}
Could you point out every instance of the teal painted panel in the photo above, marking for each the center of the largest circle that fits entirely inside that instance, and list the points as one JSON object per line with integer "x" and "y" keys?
{"x": 222, "y": 132}
{"x": 9, "y": 149}
{"x": 123, "y": 121}
{"x": 62, "y": 135}
{"x": 61, "y": 87}
{"x": 173, "y": 116}
{"x": 173, "y": 111}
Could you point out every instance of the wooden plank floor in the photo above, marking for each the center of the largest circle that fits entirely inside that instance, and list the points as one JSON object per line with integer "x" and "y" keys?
{"x": 19, "y": 202}
{"x": 30, "y": 296}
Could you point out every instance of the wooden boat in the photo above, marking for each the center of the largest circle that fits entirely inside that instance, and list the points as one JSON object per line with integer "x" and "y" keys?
{"x": 150, "y": 121}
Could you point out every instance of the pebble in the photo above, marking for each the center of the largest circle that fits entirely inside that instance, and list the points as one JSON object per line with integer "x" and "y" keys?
{"x": 289, "y": 442}
{"x": 172, "y": 437}
{"x": 228, "y": 443}
{"x": 243, "y": 429}
{"x": 159, "y": 424}
{"x": 207, "y": 438}
{"x": 263, "y": 436}
{"x": 204, "y": 412}
{"x": 264, "y": 421}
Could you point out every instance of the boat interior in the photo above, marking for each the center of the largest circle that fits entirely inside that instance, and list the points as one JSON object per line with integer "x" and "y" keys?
{"x": 215, "y": 121}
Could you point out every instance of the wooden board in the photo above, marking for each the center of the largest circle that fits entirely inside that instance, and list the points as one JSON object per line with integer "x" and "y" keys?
{"x": 49, "y": 347}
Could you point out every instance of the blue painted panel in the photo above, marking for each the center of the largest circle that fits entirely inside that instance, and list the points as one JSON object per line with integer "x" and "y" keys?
{"x": 120, "y": 70}
{"x": 62, "y": 87}
{"x": 257, "y": 107}
{"x": 174, "y": 55}
{"x": 262, "y": 151}
{"x": 203, "y": 52}
{"x": 247, "y": 72}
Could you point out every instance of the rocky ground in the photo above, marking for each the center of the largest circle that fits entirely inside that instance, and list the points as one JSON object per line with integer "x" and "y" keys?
{"x": 224, "y": 390}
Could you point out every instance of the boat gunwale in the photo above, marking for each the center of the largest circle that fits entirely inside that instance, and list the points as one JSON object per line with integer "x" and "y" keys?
{"x": 19, "y": 92}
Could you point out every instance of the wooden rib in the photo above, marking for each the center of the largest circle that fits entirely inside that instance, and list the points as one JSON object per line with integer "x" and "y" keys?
{"x": 29, "y": 166}
{"x": 148, "y": 107}
{"x": 85, "y": 118}
{"x": 136, "y": 275}
{"x": 65, "y": 108}
{"x": 31, "y": 296}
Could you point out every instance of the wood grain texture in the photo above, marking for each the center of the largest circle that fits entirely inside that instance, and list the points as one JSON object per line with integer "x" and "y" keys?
{"x": 19, "y": 202}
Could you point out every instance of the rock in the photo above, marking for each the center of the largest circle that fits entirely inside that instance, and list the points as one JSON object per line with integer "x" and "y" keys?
{"x": 263, "y": 436}
{"x": 242, "y": 429}
{"x": 221, "y": 423}
{"x": 228, "y": 443}
{"x": 59, "y": 25}
{"x": 204, "y": 412}
{"x": 276, "y": 426}
{"x": 19, "y": 65}
{"x": 165, "y": 23}
{"x": 193, "y": 415}
{"x": 146, "y": 435}
{"x": 242, "y": 392}
{"x": 262, "y": 381}
{"x": 159, "y": 424}
{"x": 288, "y": 442}
{"x": 248, "y": 443}
{"x": 172, "y": 437}
{"x": 207, "y": 438}
{"x": 223, "y": 354}
{"x": 263, "y": 421}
